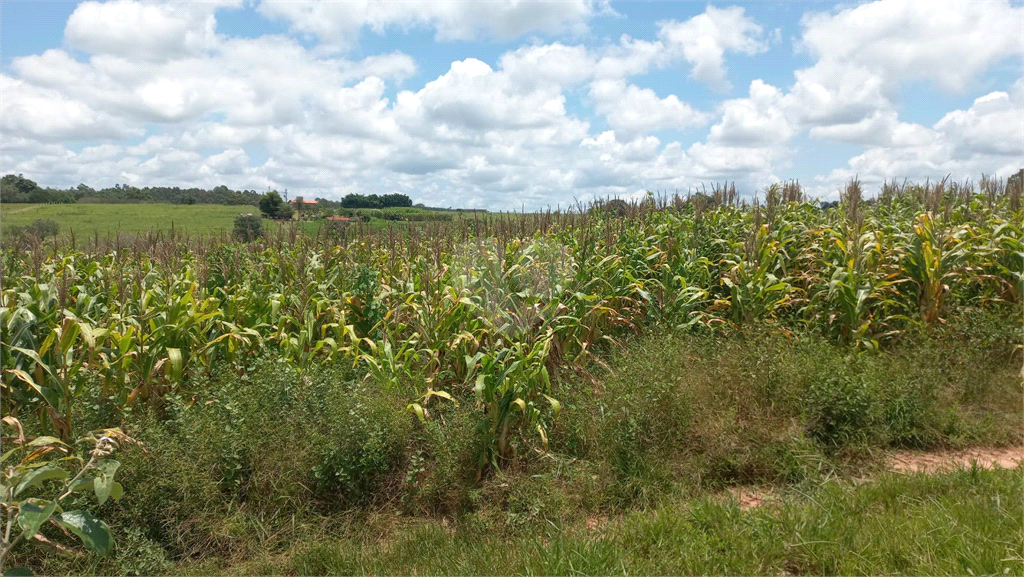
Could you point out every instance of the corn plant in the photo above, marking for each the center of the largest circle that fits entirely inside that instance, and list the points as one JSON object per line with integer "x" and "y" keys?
{"x": 858, "y": 300}
{"x": 757, "y": 280}
{"x": 933, "y": 261}
{"x": 512, "y": 388}
{"x": 488, "y": 311}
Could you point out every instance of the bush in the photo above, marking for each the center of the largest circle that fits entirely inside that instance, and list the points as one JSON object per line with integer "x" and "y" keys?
{"x": 248, "y": 227}
{"x": 441, "y": 473}
{"x": 270, "y": 441}
{"x": 840, "y": 410}
{"x": 15, "y": 233}
{"x": 363, "y": 443}
{"x": 43, "y": 228}
{"x": 645, "y": 423}
{"x": 911, "y": 417}
{"x": 272, "y": 206}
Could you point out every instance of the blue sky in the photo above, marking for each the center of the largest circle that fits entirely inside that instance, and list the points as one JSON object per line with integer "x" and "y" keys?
{"x": 504, "y": 104}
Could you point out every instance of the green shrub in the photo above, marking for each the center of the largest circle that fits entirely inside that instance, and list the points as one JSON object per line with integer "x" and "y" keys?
{"x": 248, "y": 227}
{"x": 43, "y": 227}
{"x": 39, "y": 229}
{"x": 363, "y": 444}
{"x": 270, "y": 441}
{"x": 441, "y": 474}
{"x": 840, "y": 410}
{"x": 910, "y": 415}
{"x": 174, "y": 499}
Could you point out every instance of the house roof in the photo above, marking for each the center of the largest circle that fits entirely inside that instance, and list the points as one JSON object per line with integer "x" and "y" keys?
{"x": 304, "y": 201}
{"x": 339, "y": 218}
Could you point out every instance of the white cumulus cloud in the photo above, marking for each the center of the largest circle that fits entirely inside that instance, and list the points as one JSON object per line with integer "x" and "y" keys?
{"x": 341, "y": 22}
{"x": 704, "y": 39}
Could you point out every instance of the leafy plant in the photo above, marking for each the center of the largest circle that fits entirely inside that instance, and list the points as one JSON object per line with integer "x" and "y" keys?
{"x": 248, "y": 227}
{"x": 31, "y": 476}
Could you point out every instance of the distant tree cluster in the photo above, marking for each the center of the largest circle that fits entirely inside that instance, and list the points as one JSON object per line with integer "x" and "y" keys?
{"x": 17, "y": 188}
{"x": 272, "y": 206}
{"x": 395, "y": 200}
{"x": 327, "y": 204}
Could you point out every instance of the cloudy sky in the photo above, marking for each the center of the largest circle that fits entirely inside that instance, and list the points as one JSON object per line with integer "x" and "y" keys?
{"x": 508, "y": 104}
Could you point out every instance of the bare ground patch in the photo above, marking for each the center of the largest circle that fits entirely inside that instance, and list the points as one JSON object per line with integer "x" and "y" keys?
{"x": 929, "y": 462}
{"x": 939, "y": 461}
{"x": 751, "y": 497}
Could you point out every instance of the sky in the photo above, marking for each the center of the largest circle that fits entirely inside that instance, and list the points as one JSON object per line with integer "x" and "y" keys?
{"x": 509, "y": 104}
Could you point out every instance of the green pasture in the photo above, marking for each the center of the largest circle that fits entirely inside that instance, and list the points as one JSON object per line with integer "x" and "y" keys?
{"x": 104, "y": 219}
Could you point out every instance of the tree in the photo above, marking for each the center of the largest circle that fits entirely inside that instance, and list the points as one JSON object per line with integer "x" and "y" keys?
{"x": 361, "y": 201}
{"x": 134, "y": 193}
{"x": 395, "y": 200}
{"x": 57, "y": 196}
{"x": 616, "y": 207}
{"x": 248, "y": 227}
{"x": 39, "y": 196}
{"x": 17, "y": 188}
{"x": 272, "y": 206}
{"x": 83, "y": 190}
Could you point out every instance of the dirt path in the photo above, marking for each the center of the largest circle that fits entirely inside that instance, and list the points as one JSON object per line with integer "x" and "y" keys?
{"x": 939, "y": 461}
{"x": 17, "y": 210}
{"x": 908, "y": 462}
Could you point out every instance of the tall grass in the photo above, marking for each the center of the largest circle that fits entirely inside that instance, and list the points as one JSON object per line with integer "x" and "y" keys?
{"x": 960, "y": 523}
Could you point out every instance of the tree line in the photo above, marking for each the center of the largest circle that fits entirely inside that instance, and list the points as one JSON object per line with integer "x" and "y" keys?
{"x": 17, "y": 188}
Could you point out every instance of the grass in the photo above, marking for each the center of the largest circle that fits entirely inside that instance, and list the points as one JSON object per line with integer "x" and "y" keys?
{"x": 196, "y": 219}
{"x": 107, "y": 219}
{"x": 276, "y": 473}
{"x": 965, "y": 522}
{"x": 289, "y": 434}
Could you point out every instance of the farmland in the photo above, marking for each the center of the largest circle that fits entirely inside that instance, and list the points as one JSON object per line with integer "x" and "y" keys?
{"x": 107, "y": 220}
{"x": 329, "y": 400}
{"x": 87, "y": 220}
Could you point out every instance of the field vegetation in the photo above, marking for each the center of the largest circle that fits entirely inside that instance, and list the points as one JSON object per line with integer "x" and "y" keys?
{"x": 107, "y": 220}
{"x": 87, "y": 221}
{"x": 470, "y": 395}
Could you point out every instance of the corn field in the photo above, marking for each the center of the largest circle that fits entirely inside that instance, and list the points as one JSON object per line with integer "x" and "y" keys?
{"x": 486, "y": 311}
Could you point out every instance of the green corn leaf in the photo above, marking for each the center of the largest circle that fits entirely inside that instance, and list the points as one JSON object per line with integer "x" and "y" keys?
{"x": 48, "y": 342}
{"x": 35, "y": 357}
{"x": 481, "y": 386}
{"x": 67, "y": 340}
{"x": 45, "y": 440}
{"x": 89, "y": 333}
{"x": 175, "y": 365}
{"x": 26, "y": 378}
{"x": 555, "y": 405}
{"x": 417, "y": 410}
